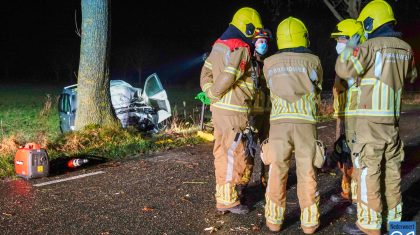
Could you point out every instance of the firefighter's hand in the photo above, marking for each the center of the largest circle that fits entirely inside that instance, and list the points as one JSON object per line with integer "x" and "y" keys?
{"x": 354, "y": 41}
{"x": 351, "y": 45}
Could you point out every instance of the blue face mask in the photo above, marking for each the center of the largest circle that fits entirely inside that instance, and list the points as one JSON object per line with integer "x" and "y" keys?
{"x": 261, "y": 48}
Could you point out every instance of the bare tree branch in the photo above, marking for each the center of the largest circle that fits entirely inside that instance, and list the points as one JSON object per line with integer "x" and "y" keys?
{"x": 333, "y": 10}
{"x": 75, "y": 22}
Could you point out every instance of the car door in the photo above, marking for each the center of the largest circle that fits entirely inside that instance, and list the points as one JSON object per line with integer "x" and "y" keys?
{"x": 156, "y": 96}
{"x": 67, "y": 110}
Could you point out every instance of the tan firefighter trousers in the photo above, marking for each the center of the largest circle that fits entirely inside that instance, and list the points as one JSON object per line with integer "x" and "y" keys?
{"x": 350, "y": 132}
{"x": 232, "y": 166}
{"x": 283, "y": 139}
{"x": 378, "y": 156}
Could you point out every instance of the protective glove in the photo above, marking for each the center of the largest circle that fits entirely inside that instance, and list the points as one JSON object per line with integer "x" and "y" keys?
{"x": 250, "y": 138}
{"x": 354, "y": 41}
{"x": 203, "y": 98}
{"x": 350, "y": 46}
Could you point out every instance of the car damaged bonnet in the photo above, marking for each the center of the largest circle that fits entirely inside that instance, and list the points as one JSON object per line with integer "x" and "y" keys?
{"x": 147, "y": 110}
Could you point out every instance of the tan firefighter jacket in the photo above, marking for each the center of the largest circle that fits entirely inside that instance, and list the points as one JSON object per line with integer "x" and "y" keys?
{"x": 226, "y": 77}
{"x": 382, "y": 63}
{"x": 294, "y": 80}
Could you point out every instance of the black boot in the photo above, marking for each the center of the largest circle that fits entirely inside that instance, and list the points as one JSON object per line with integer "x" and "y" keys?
{"x": 337, "y": 198}
{"x": 239, "y": 209}
{"x": 352, "y": 229}
{"x": 352, "y": 209}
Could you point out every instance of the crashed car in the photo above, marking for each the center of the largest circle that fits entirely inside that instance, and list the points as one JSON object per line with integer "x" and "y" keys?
{"x": 148, "y": 111}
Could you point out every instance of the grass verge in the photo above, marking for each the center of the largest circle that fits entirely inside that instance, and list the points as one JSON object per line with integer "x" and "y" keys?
{"x": 112, "y": 143}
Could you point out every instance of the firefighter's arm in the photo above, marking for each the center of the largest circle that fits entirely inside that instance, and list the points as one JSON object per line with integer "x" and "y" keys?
{"x": 352, "y": 62}
{"x": 412, "y": 72}
{"x": 206, "y": 80}
{"x": 318, "y": 83}
{"x": 233, "y": 70}
{"x": 350, "y": 66}
{"x": 320, "y": 73}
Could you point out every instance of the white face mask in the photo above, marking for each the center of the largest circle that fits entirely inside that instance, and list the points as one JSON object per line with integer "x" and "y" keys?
{"x": 340, "y": 47}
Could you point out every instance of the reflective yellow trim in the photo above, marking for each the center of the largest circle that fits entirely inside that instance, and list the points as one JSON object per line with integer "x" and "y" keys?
{"x": 357, "y": 65}
{"x": 208, "y": 65}
{"x": 274, "y": 213}
{"x": 303, "y": 109}
{"x": 226, "y": 194}
{"x": 232, "y": 70}
{"x": 245, "y": 85}
{"x": 237, "y": 108}
{"x": 207, "y": 86}
{"x": 395, "y": 214}
{"x": 211, "y": 96}
{"x": 368, "y": 218}
{"x": 310, "y": 216}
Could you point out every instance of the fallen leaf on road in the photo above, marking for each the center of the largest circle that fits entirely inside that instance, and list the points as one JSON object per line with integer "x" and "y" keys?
{"x": 211, "y": 229}
{"x": 220, "y": 221}
{"x": 255, "y": 227}
{"x": 6, "y": 214}
{"x": 147, "y": 209}
{"x": 186, "y": 199}
{"x": 240, "y": 228}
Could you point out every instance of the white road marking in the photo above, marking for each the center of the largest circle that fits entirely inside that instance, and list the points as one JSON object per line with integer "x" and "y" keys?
{"x": 67, "y": 179}
{"x": 321, "y": 127}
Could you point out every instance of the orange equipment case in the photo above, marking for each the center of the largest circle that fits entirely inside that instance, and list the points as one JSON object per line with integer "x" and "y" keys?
{"x": 31, "y": 161}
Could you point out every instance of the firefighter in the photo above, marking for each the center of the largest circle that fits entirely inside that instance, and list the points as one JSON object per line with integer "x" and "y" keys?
{"x": 294, "y": 77}
{"x": 260, "y": 112}
{"x": 345, "y": 104}
{"x": 382, "y": 63}
{"x": 226, "y": 79}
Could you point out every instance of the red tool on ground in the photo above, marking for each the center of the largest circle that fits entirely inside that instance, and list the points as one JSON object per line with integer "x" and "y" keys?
{"x": 74, "y": 163}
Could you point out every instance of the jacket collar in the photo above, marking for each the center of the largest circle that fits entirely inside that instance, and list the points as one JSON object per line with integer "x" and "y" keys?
{"x": 386, "y": 30}
{"x": 234, "y": 33}
{"x": 295, "y": 50}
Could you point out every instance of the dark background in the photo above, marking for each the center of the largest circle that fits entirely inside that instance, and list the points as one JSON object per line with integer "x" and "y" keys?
{"x": 39, "y": 44}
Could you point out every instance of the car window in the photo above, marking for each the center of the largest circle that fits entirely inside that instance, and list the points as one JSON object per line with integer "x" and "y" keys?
{"x": 64, "y": 103}
{"x": 153, "y": 86}
{"x": 73, "y": 103}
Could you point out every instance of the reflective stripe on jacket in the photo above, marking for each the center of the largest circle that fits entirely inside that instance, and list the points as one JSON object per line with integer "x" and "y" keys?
{"x": 294, "y": 80}
{"x": 345, "y": 102}
{"x": 382, "y": 63}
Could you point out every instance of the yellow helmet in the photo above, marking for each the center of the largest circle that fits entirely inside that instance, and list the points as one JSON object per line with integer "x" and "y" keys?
{"x": 375, "y": 14}
{"x": 291, "y": 33}
{"x": 348, "y": 28}
{"x": 247, "y": 20}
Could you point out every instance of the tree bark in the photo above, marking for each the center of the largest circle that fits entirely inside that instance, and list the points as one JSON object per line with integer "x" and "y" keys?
{"x": 93, "y": 94}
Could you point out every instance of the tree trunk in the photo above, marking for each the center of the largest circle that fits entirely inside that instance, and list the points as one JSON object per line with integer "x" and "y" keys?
{"x": 93, "y": 94}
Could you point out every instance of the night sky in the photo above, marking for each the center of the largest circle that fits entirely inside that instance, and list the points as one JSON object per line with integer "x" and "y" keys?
{"x": 38, "y": 42}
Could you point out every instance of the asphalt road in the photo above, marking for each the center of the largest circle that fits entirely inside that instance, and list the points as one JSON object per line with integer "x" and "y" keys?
{"x": 172, "y": 193}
